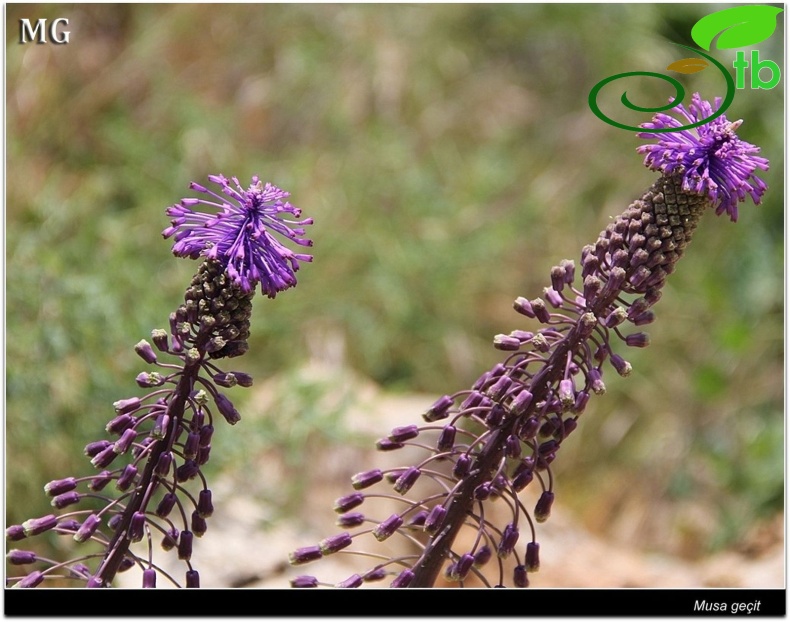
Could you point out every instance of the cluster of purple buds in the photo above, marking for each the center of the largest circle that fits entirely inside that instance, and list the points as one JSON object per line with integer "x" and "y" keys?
{"x": 149, "y": 477}
{"x": 465, "y": 510}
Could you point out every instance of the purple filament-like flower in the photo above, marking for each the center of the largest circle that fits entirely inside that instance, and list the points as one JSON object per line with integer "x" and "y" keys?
{"x": 241, "y": 236}
{"x": 711, "y": 158}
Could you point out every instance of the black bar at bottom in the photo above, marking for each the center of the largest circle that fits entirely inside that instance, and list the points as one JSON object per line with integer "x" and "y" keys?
{"x": 372, "y": 603}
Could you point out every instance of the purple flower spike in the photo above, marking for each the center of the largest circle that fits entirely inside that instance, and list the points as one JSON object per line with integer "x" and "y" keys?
{"x": 713, "y": 161}
{"x": 242, "y": 234}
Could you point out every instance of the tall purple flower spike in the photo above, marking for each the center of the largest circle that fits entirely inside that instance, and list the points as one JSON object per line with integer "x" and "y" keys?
{"x": 242, "y": 235}
{"x": 160, "y": 442}
{"x": 459, "y": 506}
{"x": 711, "y": 159}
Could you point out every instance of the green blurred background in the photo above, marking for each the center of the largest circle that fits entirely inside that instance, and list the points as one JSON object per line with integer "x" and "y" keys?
{"x": 449, "y": 158}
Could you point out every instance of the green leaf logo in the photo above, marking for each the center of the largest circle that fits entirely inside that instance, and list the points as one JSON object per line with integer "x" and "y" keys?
{"x": 739, "y": 26}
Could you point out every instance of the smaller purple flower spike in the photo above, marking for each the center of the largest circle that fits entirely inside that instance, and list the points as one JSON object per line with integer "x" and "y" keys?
{"x": 242, "y": 234}
{"x": 711, "y": 158}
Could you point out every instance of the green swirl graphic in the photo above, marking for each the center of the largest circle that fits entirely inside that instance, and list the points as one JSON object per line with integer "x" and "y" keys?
{"x": 680, "y": 93}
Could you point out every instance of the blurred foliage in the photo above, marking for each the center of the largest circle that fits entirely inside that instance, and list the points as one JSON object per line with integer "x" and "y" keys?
{"x": 449, "y": 158}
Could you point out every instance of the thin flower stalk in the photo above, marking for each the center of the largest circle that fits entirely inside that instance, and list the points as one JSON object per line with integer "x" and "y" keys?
{"x": 158, "y": 444}
{"x": 462, "y": 513}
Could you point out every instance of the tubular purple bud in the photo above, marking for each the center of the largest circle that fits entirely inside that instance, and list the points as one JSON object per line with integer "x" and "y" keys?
{"x": 166, "y": 505}
{"x": 524, "y": 307}
{"x": 622, "y": 366}
{"x": 127, "y": 477}
{"x": 123, "y": 407}
{"x": 522, "y": 480}
{"x": 159, "y": 337}
{"x": 638, "y": 340}
{"x": 149, "y": 578}
{"x": 206, "y": 432}
{"x": 193, "y": 579}
{"x": 348, "y": 502}
{"x": 88, "y": 528}
{"x": 615, "y": 318}
{"x": 91, "y": 449}
{"x": 543, "y": 506}
{"x": 403, "y": 579}
{"x": 205, "y": 507}
{"x": 335, "y": 543}
{"x": 569, "y": 268}
{"x": 104, "y": 457}
{"x": 592, "y": 286}
{"x": 191, "y": 445}
{"x": 187, "y": 471}
{"x": 497, "y": 390}
{"x": 385, "y": 444}
{"x": 613, "y": 283}
{"x": 439, "y": 409}
{"x": 506, "y": 343}
{"x": 520, "y": 578}
{"x": 185, "y": 545}
{"x": 554, "y": 298}
{"x": 35, "y": 526}
{"x": 145, "y": 351}
{"x": 407, "y": 480}
{"x": 529, "y": 429}
{"x": 100, "y": 481}
{"x": 65, "y": 500}
{"x": 31, "y": 580}
{"x": 644, "y": 318}
{"x": 18, "y": 557}
{"x": 226, "y": 409}
{"x": 434, "y": 519}
{"x": 541, "y": 312}
{"x": 15, "y": 533}
{"x": 136, "y": 527}
{"x": 304, "y": 581}
{"x": 203, "y": 454}
{"x": 495, "y": 416}
{"x": 388, "y": 527}
{"x": 566, "y": 393}
{"x": 350, "y": 519}
{"x": 160, "y": 426}
{"x": 508, "y": 541}
{"x": 122, "y": 445}
{"x": 482, "y": 491}
{"x": 68, "y": 525}
{"x": 198, "y": 524}
{"x": 404, "y": 433}
{"x": 596, "y": 381}
{"x": 376, "y": 574}
{"x": 418, "y": 519}
{"x": 446, "y": 439}
{"x": 462, "y": 466}
{"x": 163, "y": 463}
{"x": 59, "y": 486}
{"x": 170, "y": 539}
{"x": 532, "y": 558}
{"x": 304, "y": 555}
{"x": 483, "y": 555}
{"x": 512, "y": 447}
{"x": 353, "y": 581}
{"x": 366, "y": 479}
{"x": 149, "y": 379}
{"x": 558, "y": 278}
{"x": 119, "y": 424}
{"x": 582, "y": 397}
{"x": 472, "y": 400}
